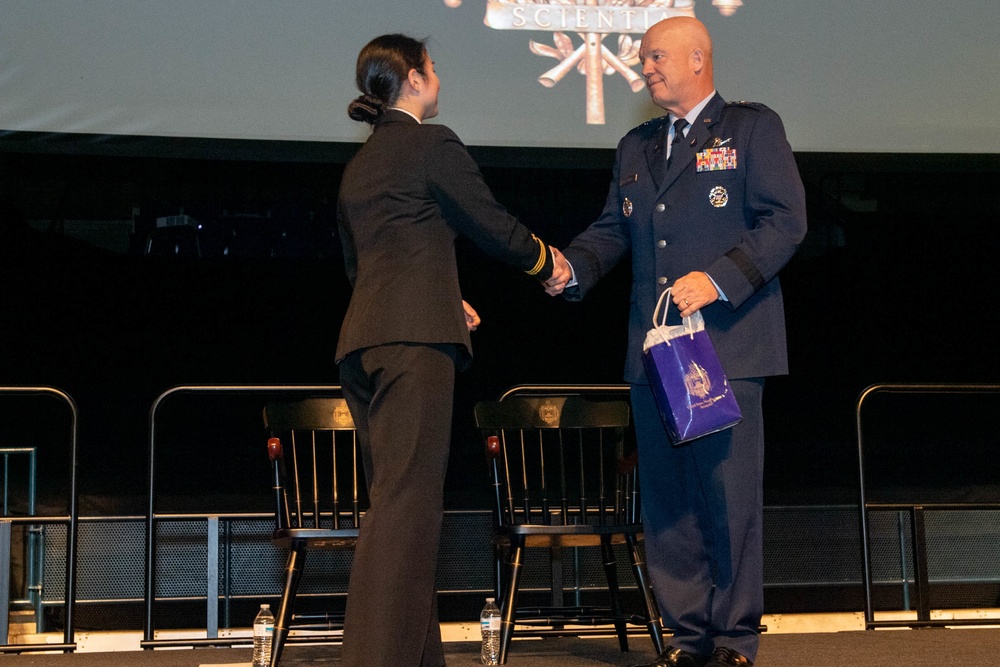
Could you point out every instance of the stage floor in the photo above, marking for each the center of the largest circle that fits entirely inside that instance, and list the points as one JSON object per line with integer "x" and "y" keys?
{"x": 878, "y": 648}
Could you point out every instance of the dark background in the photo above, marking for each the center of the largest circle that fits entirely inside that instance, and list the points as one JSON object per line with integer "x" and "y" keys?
{"x": 896, "y": 282}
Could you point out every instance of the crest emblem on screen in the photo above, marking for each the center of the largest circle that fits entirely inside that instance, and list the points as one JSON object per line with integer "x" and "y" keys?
{"x": 593, "y": 21}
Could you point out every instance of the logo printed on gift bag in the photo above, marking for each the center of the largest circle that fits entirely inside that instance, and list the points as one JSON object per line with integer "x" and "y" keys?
{"x": 697, "y": 382}
{"x": 690, "y": 388}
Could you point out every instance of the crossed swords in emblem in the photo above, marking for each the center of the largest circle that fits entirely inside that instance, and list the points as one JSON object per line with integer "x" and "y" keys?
{"x": 592, "y": 58}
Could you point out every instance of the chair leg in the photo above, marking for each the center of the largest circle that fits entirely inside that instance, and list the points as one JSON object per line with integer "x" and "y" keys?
{"x": 611, "y": 573}
{"x": 653, "y": 622}
{"x": 498, "y": 570}
{"x": 293, "y": 574}
{"x": 509, "y": 606}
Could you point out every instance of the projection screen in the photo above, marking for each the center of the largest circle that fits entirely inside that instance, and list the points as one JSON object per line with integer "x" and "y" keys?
{"x": 845, "y": 75}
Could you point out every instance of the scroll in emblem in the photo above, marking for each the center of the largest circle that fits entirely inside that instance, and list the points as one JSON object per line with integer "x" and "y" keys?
{"x": 719, "y": 197}
{"x": 627, "y": 207}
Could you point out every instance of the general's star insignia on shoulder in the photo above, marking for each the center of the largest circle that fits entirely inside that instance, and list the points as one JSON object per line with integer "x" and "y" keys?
{"x": 748, "y": 105}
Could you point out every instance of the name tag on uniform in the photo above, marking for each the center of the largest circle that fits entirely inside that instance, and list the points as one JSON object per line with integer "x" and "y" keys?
{"x": 716, "y": 159}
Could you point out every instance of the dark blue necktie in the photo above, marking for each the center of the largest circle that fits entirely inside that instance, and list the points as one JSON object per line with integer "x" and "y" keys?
{"x": 679, "y": 126}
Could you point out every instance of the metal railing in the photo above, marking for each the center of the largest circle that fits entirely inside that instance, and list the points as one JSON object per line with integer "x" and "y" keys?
{"x": 34, "y": 566}
{"x": 153, "y": 517}
{"x": 34, "y": 521}
{"x": 916, "y": 512}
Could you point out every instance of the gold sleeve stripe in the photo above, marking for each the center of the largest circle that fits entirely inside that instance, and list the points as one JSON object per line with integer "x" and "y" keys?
{"x": 541, "y": 257}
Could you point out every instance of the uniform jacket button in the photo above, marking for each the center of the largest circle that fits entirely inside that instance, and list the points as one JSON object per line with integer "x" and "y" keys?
{"x": 662, "y": 280}
{"x": 661, "y": 244}
{"x": 661, "y": 207}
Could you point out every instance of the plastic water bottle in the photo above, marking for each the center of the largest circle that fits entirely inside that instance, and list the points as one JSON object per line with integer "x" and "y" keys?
{"x": 263, "y": 631}
{"x": 489, "y": 623}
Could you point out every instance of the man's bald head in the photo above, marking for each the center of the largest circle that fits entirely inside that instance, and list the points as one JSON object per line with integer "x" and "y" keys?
{"x": 676, "y": 56}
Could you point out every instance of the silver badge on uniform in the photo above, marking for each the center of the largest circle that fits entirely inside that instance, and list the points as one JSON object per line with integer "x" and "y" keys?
{"x": 627, "y": 207}
{"x": 719, "y": 197}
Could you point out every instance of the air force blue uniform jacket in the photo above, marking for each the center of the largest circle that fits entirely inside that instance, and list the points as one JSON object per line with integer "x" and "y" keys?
{"x": 739, "y": 218}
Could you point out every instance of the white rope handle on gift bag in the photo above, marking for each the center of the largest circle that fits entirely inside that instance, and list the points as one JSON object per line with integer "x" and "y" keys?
{"x": 657, "y": 334}
{"x": 691, "y": 322}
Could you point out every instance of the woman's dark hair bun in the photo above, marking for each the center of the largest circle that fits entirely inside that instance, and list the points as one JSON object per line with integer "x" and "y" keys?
{"x": 383, "y": 67}
{"x": 366, "y": 108}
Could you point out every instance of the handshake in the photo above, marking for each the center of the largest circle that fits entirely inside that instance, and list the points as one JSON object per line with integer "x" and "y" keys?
{"x": 562, "y": 273}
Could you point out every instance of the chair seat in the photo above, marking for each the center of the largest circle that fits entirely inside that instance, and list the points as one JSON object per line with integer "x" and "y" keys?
{"x": 577, "y": 529}
{"x": 565, "y": 536}
{"x": 317, "y": 538}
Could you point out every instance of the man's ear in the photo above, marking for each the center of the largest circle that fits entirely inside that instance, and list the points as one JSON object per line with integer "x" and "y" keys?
{"x": 698, "y": 59}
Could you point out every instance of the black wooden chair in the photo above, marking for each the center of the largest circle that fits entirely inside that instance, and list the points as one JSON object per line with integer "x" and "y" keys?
{"x": 319, "y": 495}
{"x": 562, "y": 480}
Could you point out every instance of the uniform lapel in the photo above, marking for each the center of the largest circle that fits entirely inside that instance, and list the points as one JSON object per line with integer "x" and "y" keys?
{"x": 656, "y": 156}
{"x": 682, "y": 154}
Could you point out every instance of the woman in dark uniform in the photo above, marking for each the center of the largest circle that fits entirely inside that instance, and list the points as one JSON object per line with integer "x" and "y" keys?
{"x": 409, "y": 192}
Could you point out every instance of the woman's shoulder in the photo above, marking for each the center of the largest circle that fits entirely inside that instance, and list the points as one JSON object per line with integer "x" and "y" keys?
{"x": 417, "y": 131}
{"x": 436, "y": 146}
{"x": 438, "y": 132}
{"x": 436, "y": 140}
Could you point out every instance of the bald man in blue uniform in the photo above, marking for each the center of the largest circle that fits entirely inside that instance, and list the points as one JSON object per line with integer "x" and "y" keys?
{"x": 707, "y": 201}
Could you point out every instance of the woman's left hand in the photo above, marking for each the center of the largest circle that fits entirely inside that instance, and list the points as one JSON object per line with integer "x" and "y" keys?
{"x": 471, "y": 316}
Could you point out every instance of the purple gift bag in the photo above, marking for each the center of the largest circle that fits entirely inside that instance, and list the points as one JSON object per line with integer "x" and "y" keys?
{"x": 690, "y": 388}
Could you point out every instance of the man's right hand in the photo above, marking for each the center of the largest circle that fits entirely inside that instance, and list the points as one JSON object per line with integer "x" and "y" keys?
{"x": 561, "y": 274}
